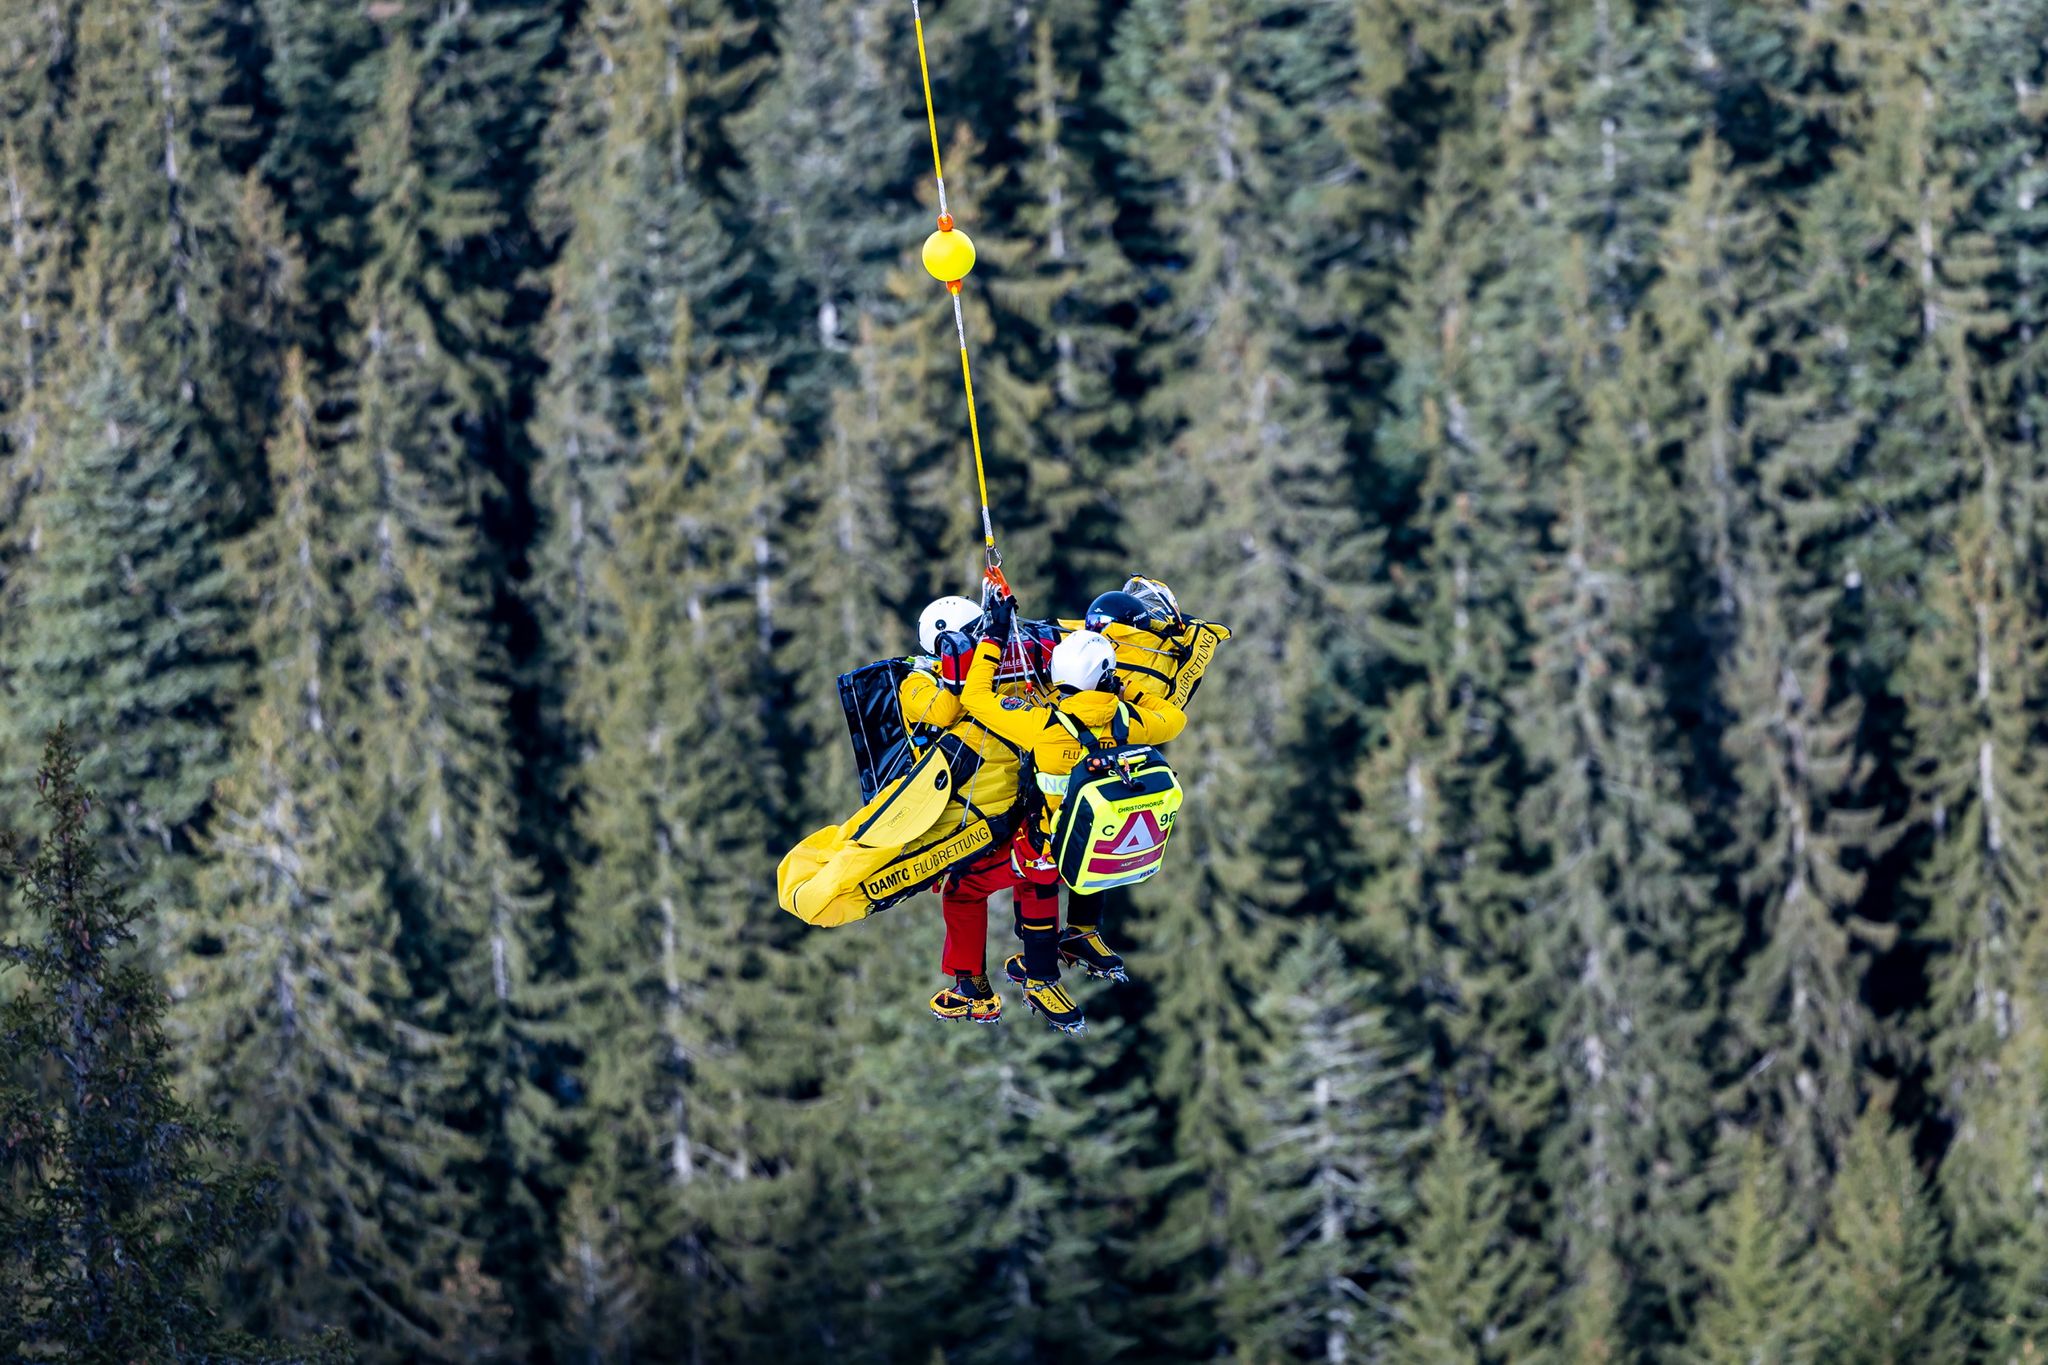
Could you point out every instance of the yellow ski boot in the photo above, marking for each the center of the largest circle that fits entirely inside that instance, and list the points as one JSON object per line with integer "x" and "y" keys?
{"x": 1049, "y": 998}
{"x": 969, "y": 997}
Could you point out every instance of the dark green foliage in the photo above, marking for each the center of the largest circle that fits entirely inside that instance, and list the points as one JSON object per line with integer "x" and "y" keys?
{"x": 159, "y": 129}
{"x": 1883, "y": 1292}
{"x": 627, "y": 191}
{"x": 1615, "y": 916}
{"x": 1443, "y": 871}
{"x": 832, "y": 150}
{"x": 121, "y": 1203}
{"x": 2000, "y": 1227}
{"x": 317, "y": 75}
{"x": 305, "y": 1030}
{"x": 674, "y": 992}
{"x": 429, "y": 763}
{"x": 127, "y": 634}
{"x": 1334, "y": 1126}
{"x": 30, "y": 297}
{"x": 1472, "y": 1285}
{"x": 1614, "y": 429}
{"x": 1757, "y": 1275}
{"x": 1240, "y": 487}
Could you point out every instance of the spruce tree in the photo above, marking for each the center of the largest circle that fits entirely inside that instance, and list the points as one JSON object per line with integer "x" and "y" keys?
{"x": 35, "y": 80}
{"x": 1052, "y": 293}
{"x": 675, "y": 1012}
{"x": 122, "y": 1202}
{"x": 832, "y": 149}
{"x": 305, "y": 1031}
{"x": 1472, "y": 1281}
{"x": 1982, "y": 792}
{"x": 1594, "y": 1330}
{"x": 1994, "y": 1200}
{"x": 1883, "y": 1290}
{"x": 1805, "y": 828}
{"x": 1984, "y": 117}
{"x": 477, "y": 115}
{"x": 1012, "y": 1170}
{"x": 1615, "y": 919}
{"x": 1759, "y": 1276}
{"x": 131, "y": 642}
{"x": 145, "y": 136}
{"x": 1441, "y": 860}
{"x": 598, "y": 1285}
{"x": 1626, "y": 945}
{"x": 1409, "y": 98}
{"x": 627, "y": 191}
{"x": 1899, "y": 267}
{"x": 154, "y": 88}
{"x": 1800, "y": 1003}
{"x": 432, "y": 760}
{"x": 1705, "y": 321}
{"x": 30, "y": 285}
{"x": 1618, "y": 148}
{"x": 321, "y": 75}
{"x": 1241, "y": 490}
{"x": 1332, "y": 1137}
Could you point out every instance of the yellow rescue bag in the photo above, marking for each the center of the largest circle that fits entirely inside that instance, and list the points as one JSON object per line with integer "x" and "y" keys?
{"x": 830, "y": 879}
{"x": 953, "y": 804}
{"x": 906, "y": 807}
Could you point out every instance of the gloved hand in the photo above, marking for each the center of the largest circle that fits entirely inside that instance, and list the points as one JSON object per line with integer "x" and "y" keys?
{"x": 1001, "y": 616}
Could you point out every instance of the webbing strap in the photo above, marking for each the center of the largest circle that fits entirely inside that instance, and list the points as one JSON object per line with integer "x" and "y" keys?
{"x": 1119, "y": 730}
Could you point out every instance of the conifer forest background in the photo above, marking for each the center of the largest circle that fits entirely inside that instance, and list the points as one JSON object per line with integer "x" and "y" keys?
{"x": 448, "y": 449}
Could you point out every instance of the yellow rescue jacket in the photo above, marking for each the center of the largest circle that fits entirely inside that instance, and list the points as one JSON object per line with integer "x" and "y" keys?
{"x": 1033, "y": 729}
{"x": 928, "y": 706}
{"x": 934, "y": 714}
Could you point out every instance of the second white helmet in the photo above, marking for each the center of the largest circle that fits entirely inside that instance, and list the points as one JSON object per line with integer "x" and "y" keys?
{"x": 1083, "y": 661}
{"x": 944, "y": 614}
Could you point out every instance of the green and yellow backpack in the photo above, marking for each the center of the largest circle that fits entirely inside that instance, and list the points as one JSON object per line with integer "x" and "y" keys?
{"x": 1119, "y": 810}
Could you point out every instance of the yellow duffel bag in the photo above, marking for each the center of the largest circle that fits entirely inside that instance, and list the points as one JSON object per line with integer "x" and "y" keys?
{"x": 953, "y": 804}
{"x": 832, "y": 878}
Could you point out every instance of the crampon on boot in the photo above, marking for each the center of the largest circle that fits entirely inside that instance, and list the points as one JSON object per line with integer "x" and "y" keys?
{"x": 965, "y": 999}
{"x": 1049, "y": 998}
{"x": 1086, "y": 950}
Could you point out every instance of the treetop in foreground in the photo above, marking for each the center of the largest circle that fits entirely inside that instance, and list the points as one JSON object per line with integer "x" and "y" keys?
{"x": 120, "y": 1202}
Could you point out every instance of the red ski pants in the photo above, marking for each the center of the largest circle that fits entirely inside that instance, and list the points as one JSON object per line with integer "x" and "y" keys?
{"x": 1036, "y": 895}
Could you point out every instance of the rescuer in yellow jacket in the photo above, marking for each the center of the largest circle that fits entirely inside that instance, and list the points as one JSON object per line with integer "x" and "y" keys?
{"x": 1159, "y": 651}
{"x": 1085, "y": 677}
{"x": 912, "y": 830}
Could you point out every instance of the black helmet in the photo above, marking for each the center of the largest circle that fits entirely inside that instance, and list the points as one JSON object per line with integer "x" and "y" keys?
{"x": 1118, "y": 607}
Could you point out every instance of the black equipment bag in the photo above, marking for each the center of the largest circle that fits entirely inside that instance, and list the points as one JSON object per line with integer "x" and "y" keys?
{"x": 882, "y": 751}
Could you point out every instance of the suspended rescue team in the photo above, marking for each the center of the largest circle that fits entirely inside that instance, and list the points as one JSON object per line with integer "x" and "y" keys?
{"x": 1009, "y": 755}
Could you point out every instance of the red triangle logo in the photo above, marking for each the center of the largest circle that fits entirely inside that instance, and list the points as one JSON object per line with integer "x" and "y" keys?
{"x": 1140, "y": 833}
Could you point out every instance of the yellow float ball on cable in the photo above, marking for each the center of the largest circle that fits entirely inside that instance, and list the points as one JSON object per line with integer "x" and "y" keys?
{"x": 948, "y": 253}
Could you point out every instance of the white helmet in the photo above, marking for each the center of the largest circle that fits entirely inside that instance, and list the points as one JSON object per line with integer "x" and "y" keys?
{"x": 1083, "y": 661}
{"x": 944, "y": 614}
